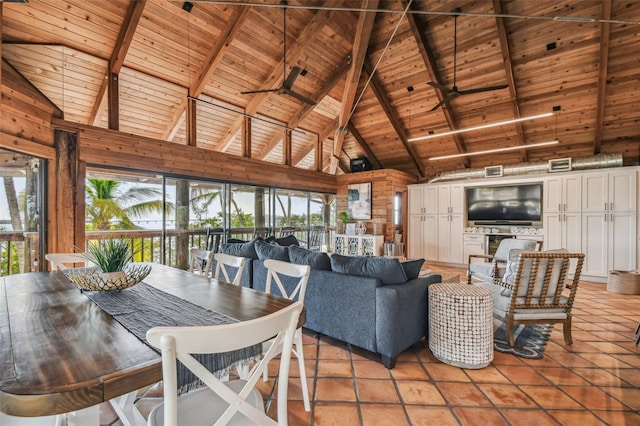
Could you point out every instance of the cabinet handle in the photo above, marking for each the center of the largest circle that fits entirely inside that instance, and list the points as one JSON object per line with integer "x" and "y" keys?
{"x": 605, "y": 205}
{"x": 564, "y": 207}
{"x": 605, "y": 217}
{"x": 611, "y": 206}
{"x": 559, "y": 207}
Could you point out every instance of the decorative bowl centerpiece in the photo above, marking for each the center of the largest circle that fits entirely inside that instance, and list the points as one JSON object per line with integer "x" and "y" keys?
{"x": 113, "y": 270}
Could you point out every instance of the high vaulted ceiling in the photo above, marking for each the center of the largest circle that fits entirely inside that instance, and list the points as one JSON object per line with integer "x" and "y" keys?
{"x": 367, "y": 71}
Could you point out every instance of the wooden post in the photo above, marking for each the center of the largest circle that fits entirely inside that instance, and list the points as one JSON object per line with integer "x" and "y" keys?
{"x": 246, "y": 138}
{"x": 114, "y": 101}
{"x": 182, "y": 223}
{"x": 191, "y": 123}
{"x": 67, "y": 178}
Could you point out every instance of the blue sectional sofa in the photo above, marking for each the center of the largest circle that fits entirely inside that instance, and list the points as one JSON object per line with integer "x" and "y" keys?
{"x": 375, "y": 303}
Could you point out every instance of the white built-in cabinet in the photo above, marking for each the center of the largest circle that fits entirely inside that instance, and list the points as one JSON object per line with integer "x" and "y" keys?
{"x": 562, "y": 218}
{"x": 609, "y": 219}
{"x": 436, "y": 214}
{"x": 594, "y": 212}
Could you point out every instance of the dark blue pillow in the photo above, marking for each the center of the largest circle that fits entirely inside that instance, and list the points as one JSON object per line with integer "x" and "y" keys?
{"x": 387, "y": 269}
{"x": 247, "y": 249}
{"x": 271, "y": 251}
{"x": 412, "y": 268}
{"x": 315, "y": 259}
{"x": 289, "y": 240}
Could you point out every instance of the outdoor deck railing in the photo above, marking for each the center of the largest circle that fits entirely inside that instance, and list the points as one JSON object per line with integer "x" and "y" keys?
{"x": 19, "y": 250}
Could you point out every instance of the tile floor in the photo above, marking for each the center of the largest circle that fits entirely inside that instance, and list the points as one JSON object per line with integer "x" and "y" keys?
{"x": 595, "y": 381}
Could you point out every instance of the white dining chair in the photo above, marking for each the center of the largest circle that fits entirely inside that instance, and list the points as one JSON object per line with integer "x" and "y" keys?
{"x": 66, "y": 260}
{"x": 276, "y": 269}
{"x": 200, "y": 261}
{"x": 222, "y": 403}
{"x": 223, "y": 261}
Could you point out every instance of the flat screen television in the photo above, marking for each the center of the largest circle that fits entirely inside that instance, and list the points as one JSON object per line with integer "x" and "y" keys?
{"x": 505, "y": 204}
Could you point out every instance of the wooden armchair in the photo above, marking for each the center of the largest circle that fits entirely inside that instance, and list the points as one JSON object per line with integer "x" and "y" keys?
{"x": 536, "y": 293}
{"x": 493, "y": 267}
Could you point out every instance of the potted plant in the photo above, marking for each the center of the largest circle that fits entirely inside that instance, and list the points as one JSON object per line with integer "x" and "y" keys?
{"x": 111, "y": 256}
{"x": 344, "y": 218}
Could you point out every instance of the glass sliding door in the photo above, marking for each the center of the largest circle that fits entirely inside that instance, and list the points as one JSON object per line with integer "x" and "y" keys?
{"x": 22, "y": 236}
{"x": 249, "y": 212}
{"x": 129, "y": 206}
{"x": 292, "y": 213}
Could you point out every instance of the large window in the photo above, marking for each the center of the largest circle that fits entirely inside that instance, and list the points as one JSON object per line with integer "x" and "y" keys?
{"x": 21, "y": 220}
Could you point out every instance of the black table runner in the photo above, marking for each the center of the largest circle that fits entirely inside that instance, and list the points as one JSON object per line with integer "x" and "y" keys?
{"x": 142, "y": 307}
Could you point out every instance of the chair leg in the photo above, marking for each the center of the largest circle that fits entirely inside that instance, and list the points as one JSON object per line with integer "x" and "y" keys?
{"x": 299, "y": 352}
{"x": 508, "y": 325}
{"x": 566, "y": 328}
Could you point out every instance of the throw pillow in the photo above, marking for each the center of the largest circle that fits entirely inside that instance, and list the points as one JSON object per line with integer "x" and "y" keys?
{"x": 271, "y": 251}
{"x": 289, "y": 240}
{"x": 315, "y": 259}
{"x": 387, "y": 269}
{"x": 247, "y": 249}
{"x": 412, "y": 268}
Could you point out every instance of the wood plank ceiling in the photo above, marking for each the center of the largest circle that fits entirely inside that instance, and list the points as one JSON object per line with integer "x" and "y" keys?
{"x": 367, "y": 71}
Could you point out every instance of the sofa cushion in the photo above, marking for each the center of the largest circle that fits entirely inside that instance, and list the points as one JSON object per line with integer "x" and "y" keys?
{"x": 315, "y": 259}
{"x": 288, "y": 240}
{"x": 412, "y": 268}
{"x": 271, "y": 251}
{"x": 387, "y": 269}
{"x": 247, "y": 249}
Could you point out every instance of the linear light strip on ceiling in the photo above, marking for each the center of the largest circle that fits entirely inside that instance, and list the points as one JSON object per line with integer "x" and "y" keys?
{"x": 480, "y": 127}
{"x": 491, "y": 151}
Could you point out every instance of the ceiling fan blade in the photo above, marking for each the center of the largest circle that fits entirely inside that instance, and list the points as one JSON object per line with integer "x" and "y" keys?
{"x": 298, "y": 96}
{"x": 251, "y": 92}
{"x": 288, "y": 83}
{"x": 444, "y": 89}
{"x": 483, "y": 89}
{"x": 438, "y": 105}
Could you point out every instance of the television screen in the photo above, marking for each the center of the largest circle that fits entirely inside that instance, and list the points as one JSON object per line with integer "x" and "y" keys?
{"x": 505, "y": 203}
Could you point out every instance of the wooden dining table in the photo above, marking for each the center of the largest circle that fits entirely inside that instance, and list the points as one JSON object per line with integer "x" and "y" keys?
{"x": 60, "y": 352}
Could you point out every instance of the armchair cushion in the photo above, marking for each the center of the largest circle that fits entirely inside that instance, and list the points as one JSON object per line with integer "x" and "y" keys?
{"x": 508, "y": 244}
{"x": 387, "y": 269}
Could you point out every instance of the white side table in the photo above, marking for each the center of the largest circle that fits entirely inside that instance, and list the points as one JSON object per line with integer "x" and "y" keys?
{"x": 461, "y": 324}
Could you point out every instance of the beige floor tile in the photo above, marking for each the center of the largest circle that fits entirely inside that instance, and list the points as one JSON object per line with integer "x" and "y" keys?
{"x": 336, "y": 414}
{"x": 522, "y": 375}
{"x": 466, "y": 394}
{"x": 335, "y": 390}
{"x": 593, "y": 398}
{"x": 409, "y": 370}
{"x": 581, "y": 418}
{"x": 551, "y": 398}
{"x": 371, "y": 370}
{"x": 446, "y": 372}
{"x": 528, "y": 417}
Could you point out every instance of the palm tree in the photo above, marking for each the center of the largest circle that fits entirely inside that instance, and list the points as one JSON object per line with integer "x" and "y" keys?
{"x": 111, "y": 207}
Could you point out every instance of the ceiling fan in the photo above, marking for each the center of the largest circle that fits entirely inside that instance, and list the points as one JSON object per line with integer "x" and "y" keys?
{"x": 453, "y": 92}
{"x": 287, "y": 82}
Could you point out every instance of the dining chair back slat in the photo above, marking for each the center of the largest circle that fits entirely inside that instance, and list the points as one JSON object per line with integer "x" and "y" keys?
{"x": 61, "y": 261}
{"x": 222, "y": 402}
{"x": 224, "y": 261}
{"x": 200, "y": 261}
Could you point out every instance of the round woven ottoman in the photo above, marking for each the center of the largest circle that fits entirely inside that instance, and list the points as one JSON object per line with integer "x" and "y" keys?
{"x": 461, "y": 324}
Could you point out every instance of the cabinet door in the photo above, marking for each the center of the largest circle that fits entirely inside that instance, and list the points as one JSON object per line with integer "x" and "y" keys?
{"x": 444, "y": 245}
{"x": 622, "y": 191}
{"x": 430, "y": 237}
{"x": 473, "y": 244}
{"x": 622, "y": 241}
{"x": 571, "y": 193}
{"x": 456, "y": 229}
{"x": 430, "y": 199}
{"x": 415, "y": 237}
{"x": 594, "y": 192}
{"x": 594, "y": 244}
{"x": 415, "y": 199}
{"x": 457, "y": 199}
{"x": 444, "y": 199}
{"x": 553, "y": 194}
{"x": 572, "y": 232}
{"x": 553, "y": 230}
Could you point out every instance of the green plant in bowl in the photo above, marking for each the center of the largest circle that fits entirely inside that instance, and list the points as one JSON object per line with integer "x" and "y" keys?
{"x": 344, "y": 217}
{"x": 110, "y": 255}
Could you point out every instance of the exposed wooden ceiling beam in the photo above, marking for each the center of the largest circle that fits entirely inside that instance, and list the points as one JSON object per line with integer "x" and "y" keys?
{"x": 508, "y": 68}
{"x": 365, "y": 146}
{"x": 392, "y": 116}
{"x": 334, "y": 79}
{"x": 605, "y": 33}
{"x": 303, "y": 153}
{"x": 359, "y": 52}
{"x": 427, "y": 57}
{"x": 309, "y": 34}
{"x": 219, "y": 49}
{"x": 118, "y": 55}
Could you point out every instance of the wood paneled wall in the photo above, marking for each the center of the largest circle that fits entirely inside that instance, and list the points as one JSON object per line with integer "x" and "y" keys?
{"x": 385, "y": 183}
